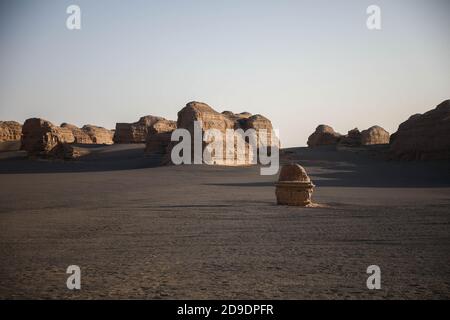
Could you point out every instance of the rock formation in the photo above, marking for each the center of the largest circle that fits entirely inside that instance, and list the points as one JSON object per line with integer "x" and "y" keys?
{"x": 324, "y": 135}
{"x": 352, "y": 139}
{"x": 80, "y": 136}
{"x": 294, "y": 187}
{"x": 40, "y": 137}
{"x": 374, "y": 135}
{"x": 90, "y": 134}
{"x": 134, "y": 132}
{"x": 424, "y": 136}
{"x": 98, "y": 135}
{"x": 10, "y": 131}
{"x": 158, "y": 136}
{"x": 240, "y": 152}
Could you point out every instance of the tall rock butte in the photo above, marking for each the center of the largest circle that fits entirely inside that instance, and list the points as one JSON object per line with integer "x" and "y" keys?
{"x": 424, "y": 136}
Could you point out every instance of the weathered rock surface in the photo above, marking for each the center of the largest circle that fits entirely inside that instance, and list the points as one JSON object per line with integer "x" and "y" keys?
{"x": 240, "y": 151}
{"x": 98, "y": 135}
{"x": 134, "y": 132}
{"x": 40, "y": 137}
{"x": 374, "y": 135}
{"x": 158, "y": 136}
{"x": 424, "y": 136}
{"x": 324, "y": 135}
{"x": 294, "y": 187}
{"x": 80, "y": 136}
{"x": 352, "y": 139}
{"x": 10, "y": 131}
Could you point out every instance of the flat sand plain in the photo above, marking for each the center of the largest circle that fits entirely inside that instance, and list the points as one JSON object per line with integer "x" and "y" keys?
{"x": 139, "y": 231}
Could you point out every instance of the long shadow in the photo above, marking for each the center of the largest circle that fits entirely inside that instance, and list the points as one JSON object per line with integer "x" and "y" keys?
{"x": 104, "y": 159}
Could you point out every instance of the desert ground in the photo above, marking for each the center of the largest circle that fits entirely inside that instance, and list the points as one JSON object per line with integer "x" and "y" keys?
{"x": 143, "y": 231}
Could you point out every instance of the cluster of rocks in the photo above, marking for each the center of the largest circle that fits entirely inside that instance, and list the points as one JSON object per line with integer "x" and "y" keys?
{"x": 325, "y": 135}
{"x": 424, "y": 136}
{"x": 41, "y": 138}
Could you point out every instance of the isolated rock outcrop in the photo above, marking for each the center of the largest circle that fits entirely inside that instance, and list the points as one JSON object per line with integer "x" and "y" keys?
{"x": 10, "y": 131}
{"x": 374, "y": 135}
{"x": 40, "y": 137}
{"x": 294, "y": 187}
{"x": 98, "y": 135}
{"x": 424, "y": 136}
{"x": 324, "y": 135}
{"x": 134, "y": 132}
{"x": 158, "y": 136}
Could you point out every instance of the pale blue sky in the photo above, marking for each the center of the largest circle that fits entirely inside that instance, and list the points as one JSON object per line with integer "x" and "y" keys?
{"x": 300, "y": 63}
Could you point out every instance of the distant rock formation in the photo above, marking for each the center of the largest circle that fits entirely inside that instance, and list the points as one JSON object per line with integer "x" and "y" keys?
{"x": 90, "y": 134}
{"x": 324, "y": 135}
{"x": 10, "y": 131}
{"x": 98, "y": 135}
{"x": 134, "y": 132}
{"x": 374, "y": 135}
{"x": 352, "y": 139}
{"x": 41, "y": 138}
{"x": 424, "y": 136}
{"x": 158, "y": 136}
{"x": 211, "y": 119}
{"x": 80, "y": 136}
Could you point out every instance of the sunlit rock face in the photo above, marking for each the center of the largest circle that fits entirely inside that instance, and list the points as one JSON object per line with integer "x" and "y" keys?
{"x": 41, "y": 138}
{"x": 374, "y": 135}
{"x": 134, "y": 132}
{"x": 10, "y": 131}
{"x": 235, "y": 151}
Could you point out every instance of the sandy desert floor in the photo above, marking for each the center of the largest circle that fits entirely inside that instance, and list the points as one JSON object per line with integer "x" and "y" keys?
{"x": 142, "y": 231}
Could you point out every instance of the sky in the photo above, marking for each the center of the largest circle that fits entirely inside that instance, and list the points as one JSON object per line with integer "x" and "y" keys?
{"x": 299, "y": 63}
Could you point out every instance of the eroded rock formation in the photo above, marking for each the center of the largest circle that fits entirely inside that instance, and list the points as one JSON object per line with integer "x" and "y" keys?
{"x": 374, "y": 135}
{"x": 424, "y": 136}
{"x": 41, "y": 138}
{"x": 134, "y": 132}
{"x": 98, "y": 135}
{"x": 324, "y": 135}
{"x": 158, "y": 136}
{"x": 240, "y": 152}
{"x": 10, "y": 131}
